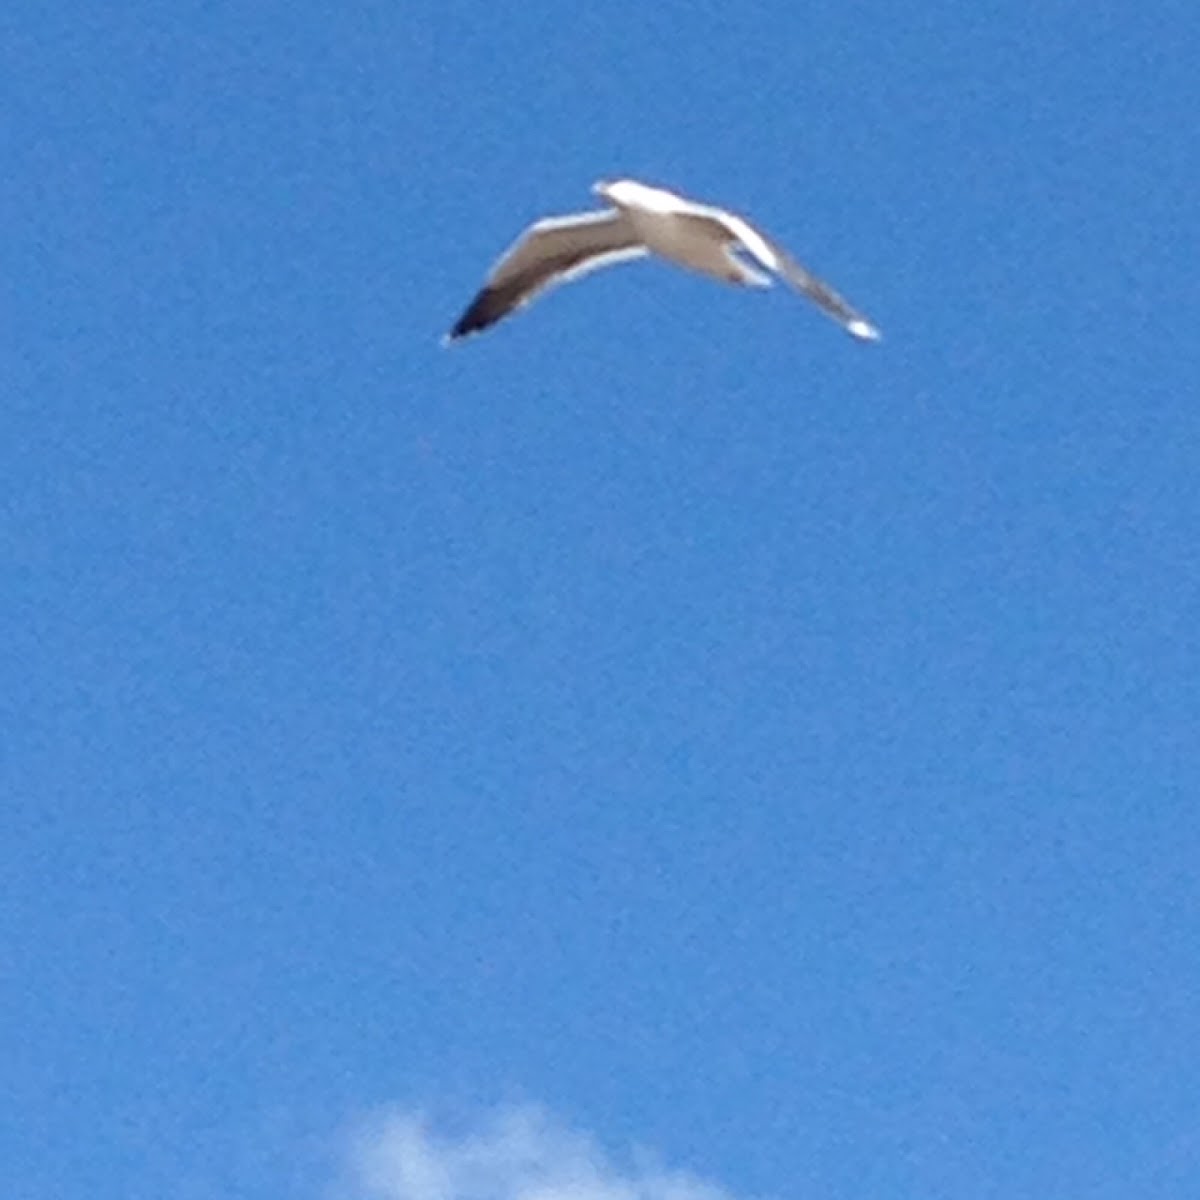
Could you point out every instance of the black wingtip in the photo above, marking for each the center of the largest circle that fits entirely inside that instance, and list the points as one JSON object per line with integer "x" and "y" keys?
{"x": 466, "y": 325}
{"x": 484, "y": 311}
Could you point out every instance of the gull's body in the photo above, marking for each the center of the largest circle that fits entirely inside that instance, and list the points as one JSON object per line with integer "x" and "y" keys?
{"x": 644, "y": 220}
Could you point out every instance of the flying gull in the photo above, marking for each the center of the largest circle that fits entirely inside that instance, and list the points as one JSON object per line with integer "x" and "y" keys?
{"x": 643, "y": 220}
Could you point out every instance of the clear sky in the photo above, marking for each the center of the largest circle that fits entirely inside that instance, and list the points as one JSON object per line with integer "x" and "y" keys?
{"x": 659, "y": 722}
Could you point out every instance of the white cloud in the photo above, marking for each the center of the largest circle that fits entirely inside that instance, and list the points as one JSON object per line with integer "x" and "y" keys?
{"x": 515, "y": 1153}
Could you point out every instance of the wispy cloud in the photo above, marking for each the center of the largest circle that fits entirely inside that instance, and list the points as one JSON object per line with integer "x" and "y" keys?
{"x": 514, "y": 1153}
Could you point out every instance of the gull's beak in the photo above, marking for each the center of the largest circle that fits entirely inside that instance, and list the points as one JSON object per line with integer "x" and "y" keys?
{"x": 601, "y": 187}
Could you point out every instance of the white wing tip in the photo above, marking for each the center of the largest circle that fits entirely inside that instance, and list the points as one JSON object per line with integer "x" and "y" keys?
{"x": 863, "y": 330}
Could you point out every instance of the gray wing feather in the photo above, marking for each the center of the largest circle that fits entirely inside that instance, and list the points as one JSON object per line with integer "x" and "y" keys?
{"x": 775, "y": 258}
{"x": 549, "y": 252}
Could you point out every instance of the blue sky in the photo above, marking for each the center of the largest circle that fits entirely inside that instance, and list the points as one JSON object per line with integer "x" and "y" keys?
{"x": 660, "y": 715}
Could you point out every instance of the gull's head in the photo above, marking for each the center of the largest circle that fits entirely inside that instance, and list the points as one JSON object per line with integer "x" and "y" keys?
{"x": 617, "y": 191}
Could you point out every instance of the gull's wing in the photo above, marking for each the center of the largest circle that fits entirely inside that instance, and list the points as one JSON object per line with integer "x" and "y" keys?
{"x": 775, "y": 258}
{"x": 550, "y": 251}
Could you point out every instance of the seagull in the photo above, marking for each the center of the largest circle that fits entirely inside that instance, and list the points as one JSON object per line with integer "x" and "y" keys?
{"x": 639, "y": 221}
